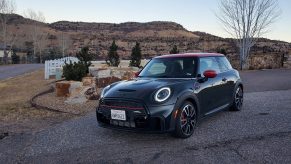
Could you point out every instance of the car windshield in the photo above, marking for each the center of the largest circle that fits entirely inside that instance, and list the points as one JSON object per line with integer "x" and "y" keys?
{"x": 170, "y": 68}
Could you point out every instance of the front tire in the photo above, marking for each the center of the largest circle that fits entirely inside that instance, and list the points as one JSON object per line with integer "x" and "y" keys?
{"x": 186, "y": 120}
{"x": 238, "y": 99}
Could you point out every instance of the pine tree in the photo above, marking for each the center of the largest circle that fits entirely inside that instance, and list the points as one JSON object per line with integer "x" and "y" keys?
{"x": 76, "y": 71}
{"x": 221, "y": 51}
{"x": 135, "y": 56}
{"x": 113, "y": 57}
{"x": 85, "y": 57}
{"x": 15, "y": 58}
{"x": 174, "y": 50}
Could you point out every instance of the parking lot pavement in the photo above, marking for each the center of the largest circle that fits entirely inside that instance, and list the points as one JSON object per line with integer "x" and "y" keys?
{"x": 9, "y": 71}
{"x": 266, "y": 80}
{"x": 260, "y": 133}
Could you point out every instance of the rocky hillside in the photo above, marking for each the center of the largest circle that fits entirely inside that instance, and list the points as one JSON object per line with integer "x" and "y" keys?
{"x": 155, "y": 38}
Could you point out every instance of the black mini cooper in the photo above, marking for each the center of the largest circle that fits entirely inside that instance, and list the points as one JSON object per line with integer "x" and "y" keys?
{"x": 171, "y": 94}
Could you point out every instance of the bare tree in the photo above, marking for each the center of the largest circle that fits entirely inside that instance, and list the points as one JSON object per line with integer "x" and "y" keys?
{"x": 64, "y": 42}
{"x": 42, "y": 44}
{"x": 7, "y": 7}
{"x": 246, "y": 21}
{"x": 36, "y": 32}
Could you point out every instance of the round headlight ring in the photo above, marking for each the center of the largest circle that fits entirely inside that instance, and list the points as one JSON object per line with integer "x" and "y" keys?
{"x": 159, "y": 91}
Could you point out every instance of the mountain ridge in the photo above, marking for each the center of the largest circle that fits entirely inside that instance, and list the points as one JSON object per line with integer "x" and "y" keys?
{"x": 156, "y": 37}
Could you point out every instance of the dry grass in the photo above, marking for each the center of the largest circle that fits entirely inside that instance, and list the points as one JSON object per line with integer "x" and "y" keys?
{"x": 16, "y": 113}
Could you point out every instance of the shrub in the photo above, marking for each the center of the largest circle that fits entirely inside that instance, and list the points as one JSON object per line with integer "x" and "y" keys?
{"x": 15, "y": 58}
{"x": 74, "y": 71}
{"x": 135, "y": 56}
{"x": 85, "y": 57}
{"x": 221, "y": 51}
{"x": 112, "y": 58}
{"x": 174, "y": 50}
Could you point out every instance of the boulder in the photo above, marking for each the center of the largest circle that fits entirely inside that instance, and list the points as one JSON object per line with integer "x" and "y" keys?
{"x": 62, "y": 88}
{"x": 88, "y": 81}
{"x": 78, "y": 96}
{"x": 67, "y": 88}
{"x": 93, "y": 93}
{"x": 106, "y": 76}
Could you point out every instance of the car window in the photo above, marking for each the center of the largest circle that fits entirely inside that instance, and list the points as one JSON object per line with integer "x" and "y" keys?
{"x": 170, "y": 68}
{"x": 157, "y": 68}
{"x": 224, "y": 64}
{"x": 208, "y": 63}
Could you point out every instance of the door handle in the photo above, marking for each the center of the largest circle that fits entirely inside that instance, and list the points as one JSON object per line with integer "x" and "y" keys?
{"x": 224, "y": 79}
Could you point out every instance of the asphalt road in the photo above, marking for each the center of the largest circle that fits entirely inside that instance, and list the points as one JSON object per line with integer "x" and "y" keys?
{"x": 9, "y": 71}
{"x": 260, "y": 133}
{"x": 266, "y": 80}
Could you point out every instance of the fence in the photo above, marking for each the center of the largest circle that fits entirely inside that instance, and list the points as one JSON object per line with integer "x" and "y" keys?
{"x": 52, "y": 65}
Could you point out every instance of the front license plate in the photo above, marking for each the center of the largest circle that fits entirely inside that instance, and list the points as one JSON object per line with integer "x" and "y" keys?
{"x": 118, "y": 115}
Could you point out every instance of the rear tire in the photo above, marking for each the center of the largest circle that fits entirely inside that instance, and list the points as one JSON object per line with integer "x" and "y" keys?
{"x": 186, "y": 120}
{"x": 237, "y": 99}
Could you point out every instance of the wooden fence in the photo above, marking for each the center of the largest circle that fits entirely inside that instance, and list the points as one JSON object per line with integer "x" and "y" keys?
{"x": 52, "y": 65}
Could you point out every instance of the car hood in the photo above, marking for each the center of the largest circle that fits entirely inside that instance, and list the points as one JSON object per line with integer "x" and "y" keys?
{"x": 140, "y": 88}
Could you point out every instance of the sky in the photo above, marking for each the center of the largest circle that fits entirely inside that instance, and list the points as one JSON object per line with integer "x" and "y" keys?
{"x": 194, "y": 15}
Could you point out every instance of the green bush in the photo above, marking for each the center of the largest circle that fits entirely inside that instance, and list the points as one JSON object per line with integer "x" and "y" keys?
{"x": 221, "y": 51}
{"x": 174, "y": 50}
{"x": 112, "y": 58}
{"x": 74, "y": 71}
{"x": 135, "y": 56}
{"x": 15, "y": 58}
{"x": 85, "y": 57}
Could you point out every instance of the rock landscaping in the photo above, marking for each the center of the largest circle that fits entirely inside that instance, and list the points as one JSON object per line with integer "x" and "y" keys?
{"x": 77, "y": 97}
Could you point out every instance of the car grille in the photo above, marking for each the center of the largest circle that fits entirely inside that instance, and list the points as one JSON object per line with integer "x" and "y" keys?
{"x": 136, "y": 114}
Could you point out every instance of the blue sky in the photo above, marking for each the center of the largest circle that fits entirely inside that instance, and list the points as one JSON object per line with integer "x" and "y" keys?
{"x": 194, "y": 15}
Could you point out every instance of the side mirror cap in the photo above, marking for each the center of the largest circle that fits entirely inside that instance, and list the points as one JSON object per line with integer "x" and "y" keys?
{"x": 210, "y": 73}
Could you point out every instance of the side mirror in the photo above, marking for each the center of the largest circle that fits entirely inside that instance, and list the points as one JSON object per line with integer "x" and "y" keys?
{"x": 136, "y": 74}
{"x": 210, "y": 73}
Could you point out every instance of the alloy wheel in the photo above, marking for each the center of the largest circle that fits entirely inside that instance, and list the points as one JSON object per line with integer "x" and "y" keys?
{"x": 188, "y": 119}
{"x": 239, "y": 98}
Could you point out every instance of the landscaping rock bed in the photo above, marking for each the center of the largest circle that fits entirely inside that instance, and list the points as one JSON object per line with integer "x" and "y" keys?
{"x": 81, "y": 97}
{"x": 50, "y": 100}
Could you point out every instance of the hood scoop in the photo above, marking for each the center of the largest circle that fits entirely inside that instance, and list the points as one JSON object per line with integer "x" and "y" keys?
{"x": 126, "y": 90}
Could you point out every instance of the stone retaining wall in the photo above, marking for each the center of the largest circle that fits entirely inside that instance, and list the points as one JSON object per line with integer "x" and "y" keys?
{"x": 106, "y": 76}
{"x": 264, "y": 61}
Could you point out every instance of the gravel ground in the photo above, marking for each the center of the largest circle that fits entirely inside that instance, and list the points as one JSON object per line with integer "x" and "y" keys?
{"x": 16, "y": 114}
{"x": 50, "y": 100}
{"x": 260, "y": 133}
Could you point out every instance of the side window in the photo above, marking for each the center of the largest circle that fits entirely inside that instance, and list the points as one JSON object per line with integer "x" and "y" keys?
{"x": 207, "y": 63}
{"x": 189, "y": 66}
{"x": 224, "y": 64}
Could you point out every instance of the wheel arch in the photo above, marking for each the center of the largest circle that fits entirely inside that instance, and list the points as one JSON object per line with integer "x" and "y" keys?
{"x": 186, "y": 96}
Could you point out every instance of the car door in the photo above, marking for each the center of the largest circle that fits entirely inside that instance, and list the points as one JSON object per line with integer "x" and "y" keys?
{"x": 227, "y": 80}
{"x": 210, "y": 92}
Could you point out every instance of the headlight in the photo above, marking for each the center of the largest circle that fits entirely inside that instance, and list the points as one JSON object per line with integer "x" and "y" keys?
{"x": 104, "y": 91}
{"x": 162, "y": 94}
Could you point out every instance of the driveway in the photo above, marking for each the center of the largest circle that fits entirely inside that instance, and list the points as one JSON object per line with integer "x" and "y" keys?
{"x": 9, "y": 71}
{"x": 266, "y": 80}
{"x": 260, "y": 133}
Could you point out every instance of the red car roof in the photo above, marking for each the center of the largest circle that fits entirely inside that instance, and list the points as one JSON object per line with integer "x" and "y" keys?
{"x": 190, "y": 55}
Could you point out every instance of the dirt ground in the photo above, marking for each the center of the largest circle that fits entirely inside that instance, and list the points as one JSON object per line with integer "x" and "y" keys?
{"x": 16, "y": 113}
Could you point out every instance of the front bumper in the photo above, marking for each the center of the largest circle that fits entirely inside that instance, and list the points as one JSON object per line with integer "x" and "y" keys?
{"x": 139, "y": 117}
